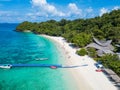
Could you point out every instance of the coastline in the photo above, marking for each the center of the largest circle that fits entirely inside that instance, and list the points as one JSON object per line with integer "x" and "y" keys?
{"x": 85, "y": 77}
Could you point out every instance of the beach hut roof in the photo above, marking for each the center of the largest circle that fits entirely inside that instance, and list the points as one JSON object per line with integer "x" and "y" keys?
{"x": 102, "y": 43}
{"x": 100, "y": 53}
{"x": 94, "y": 45}
{"x": 102, "y": 47}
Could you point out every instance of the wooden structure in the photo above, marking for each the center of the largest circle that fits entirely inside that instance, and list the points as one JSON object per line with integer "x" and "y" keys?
{"x": 102, "y": 47}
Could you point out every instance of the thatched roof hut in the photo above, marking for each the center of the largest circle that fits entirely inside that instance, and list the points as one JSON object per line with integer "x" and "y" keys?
{"x": 101, "y": 47}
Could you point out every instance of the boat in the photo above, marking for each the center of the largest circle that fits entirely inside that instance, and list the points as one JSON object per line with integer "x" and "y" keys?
{"x": 99, "y": 70}
{"x": 53, "y": 67}
{"x": 41, "y": 59}
{"x": 6, "y": 66}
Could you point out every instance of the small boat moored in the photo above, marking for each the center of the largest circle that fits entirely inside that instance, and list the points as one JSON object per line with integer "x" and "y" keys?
{"x": 53, "y": 67}
{"x": 38, "y": 59}
{"x": 6, "y": 66}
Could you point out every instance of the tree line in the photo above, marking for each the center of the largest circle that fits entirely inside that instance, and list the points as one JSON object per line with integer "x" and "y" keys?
{"x": 79, "y": 31}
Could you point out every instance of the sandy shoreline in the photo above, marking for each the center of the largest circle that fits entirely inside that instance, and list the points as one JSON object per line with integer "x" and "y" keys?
{"x": 86, "y": 77}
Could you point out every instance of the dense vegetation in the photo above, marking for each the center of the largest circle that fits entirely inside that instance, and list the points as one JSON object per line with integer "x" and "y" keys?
{"x": 80, "y": 33}
{"x": 111, "y": 61}
{"x": 92, "y": 52}
{"x": 82, "y": 52}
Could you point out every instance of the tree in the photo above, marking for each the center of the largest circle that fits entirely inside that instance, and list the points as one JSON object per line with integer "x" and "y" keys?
{"x": 82, "y": 52}
{"x": 98, "y": 33}
{"x": 81, "y": 39}
{"x": 112, "y": 62}
{"x": 92, "y": 52}
{"x": 24, "y": 26}
{"x": 63, "y": 22}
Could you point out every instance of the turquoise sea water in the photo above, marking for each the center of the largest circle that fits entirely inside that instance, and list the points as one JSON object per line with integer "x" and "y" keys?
{"x": 19, "y": 47}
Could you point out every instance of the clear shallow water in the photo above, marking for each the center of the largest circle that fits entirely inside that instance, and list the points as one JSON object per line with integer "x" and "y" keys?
{"x": 19, "y": 47}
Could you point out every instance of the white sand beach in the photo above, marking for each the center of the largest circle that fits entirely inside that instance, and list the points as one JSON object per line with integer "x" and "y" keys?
{"x": 86, "y": 77}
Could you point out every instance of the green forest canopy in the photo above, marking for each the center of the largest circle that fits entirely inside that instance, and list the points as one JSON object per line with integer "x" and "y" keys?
{"x": 79, "y": 31}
